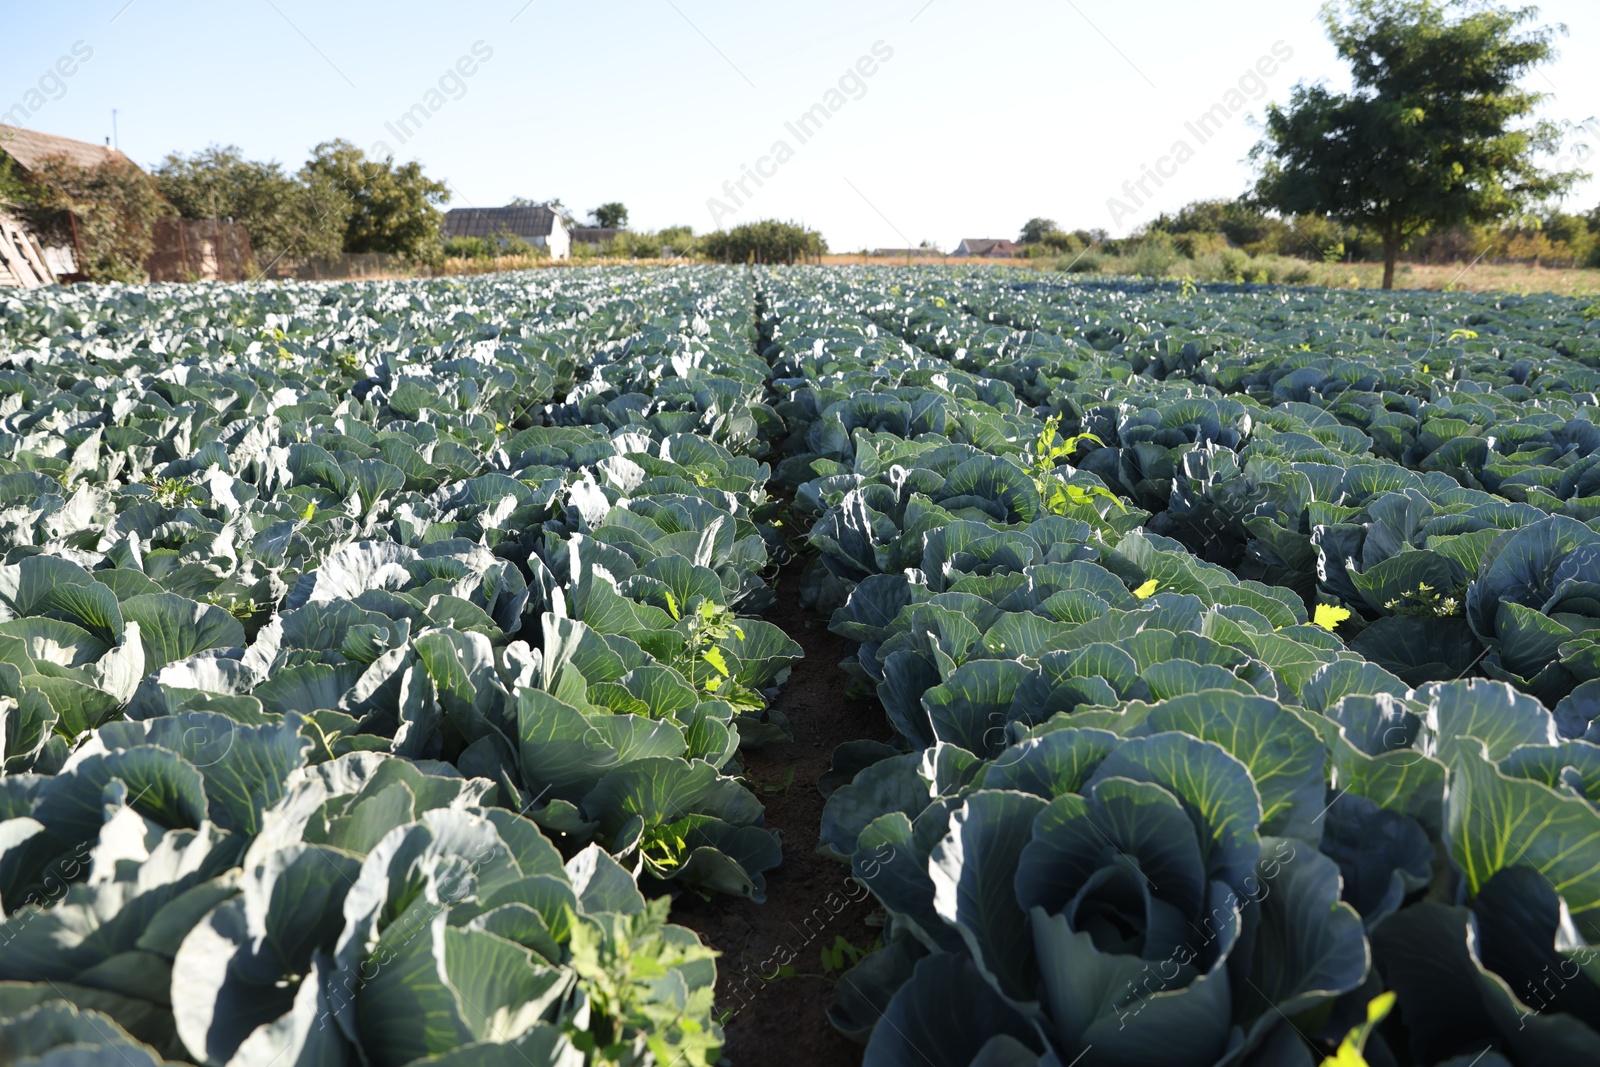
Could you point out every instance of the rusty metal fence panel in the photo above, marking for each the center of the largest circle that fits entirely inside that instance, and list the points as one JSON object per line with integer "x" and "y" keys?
{"x": 193, "y": 249}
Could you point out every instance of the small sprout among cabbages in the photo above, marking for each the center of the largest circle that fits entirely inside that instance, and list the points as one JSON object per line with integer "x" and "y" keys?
{"x": 172, "y": 492}
{"x": 1050, "y": 448}
{"x": 842, "y": 955}
{"x": 1351, "y": 1051}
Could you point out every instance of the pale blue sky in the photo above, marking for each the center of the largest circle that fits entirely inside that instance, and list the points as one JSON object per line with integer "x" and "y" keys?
{"x": 982, "y": 114}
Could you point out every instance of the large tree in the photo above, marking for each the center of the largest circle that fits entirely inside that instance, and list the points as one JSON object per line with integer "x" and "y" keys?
{"x": 393, "y": 207}
{"x": 1036, "y": 230}
{"x": 610, "y": 216}
{"x": 285, "y": 215}
{"x": 1428, "y": 135}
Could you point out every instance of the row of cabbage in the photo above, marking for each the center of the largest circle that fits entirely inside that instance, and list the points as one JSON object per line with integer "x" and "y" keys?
{"x": 1253, "y": 475}
{"x": 363, "y": 647}
{"x": 1137, "y": 809}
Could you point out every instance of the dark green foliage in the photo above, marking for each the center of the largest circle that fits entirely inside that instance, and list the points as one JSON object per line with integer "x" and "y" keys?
{"x": 1429, "y": 136}
{"x": 287, "y": 216}
{"x": 768, "y": 241}
{"x": 393, "y": 207}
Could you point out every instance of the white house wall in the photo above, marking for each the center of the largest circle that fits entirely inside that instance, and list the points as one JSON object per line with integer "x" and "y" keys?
{"x": 560, "y": 239}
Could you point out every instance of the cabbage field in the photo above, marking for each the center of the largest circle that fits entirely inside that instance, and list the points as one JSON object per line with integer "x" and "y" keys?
{"x": 380, "y": 665}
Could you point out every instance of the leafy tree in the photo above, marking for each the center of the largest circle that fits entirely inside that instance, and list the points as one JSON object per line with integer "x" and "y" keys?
{"x": 111, "y": 210}
{"x": 1034, "y": 231}
{"x": 285, "y": 215}
{"x": 610, "y": 216}
{"x": 1425, "y": 138}
{"x": 767, "y": 241}
{"x": 393, "y": 207}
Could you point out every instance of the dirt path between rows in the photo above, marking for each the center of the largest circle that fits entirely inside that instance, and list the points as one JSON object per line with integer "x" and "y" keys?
{"x": 776, "y": 1020}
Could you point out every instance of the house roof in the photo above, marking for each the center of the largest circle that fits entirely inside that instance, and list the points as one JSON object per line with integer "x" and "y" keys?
{"x": 493, "y": 221}
{"x": 990, "y": 246}
{"x": 31, "y": 148}
{"x": 594, "y": 235}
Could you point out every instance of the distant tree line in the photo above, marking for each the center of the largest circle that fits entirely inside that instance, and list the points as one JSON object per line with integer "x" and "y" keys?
{"x": 1551, "y": 237}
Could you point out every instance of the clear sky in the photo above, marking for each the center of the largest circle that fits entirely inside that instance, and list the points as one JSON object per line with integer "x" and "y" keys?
{"x": 939, "y": 120}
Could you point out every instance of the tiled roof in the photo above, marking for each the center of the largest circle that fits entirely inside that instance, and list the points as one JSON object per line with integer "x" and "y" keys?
{"x": 31, "y": 148}
{"x": 493, "y": 221}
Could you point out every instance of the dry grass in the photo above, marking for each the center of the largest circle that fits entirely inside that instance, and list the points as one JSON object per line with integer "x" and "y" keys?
{"x": 1520, "y": 278}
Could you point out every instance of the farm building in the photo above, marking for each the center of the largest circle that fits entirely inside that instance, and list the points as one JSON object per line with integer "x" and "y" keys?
{"x": 28, "y": 149}
{"x": 992, "y": 247}
{"x": 539, "y": 226}
{"x": 182, "y": 249}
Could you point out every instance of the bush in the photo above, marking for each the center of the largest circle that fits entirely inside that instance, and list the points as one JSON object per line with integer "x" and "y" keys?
{"x": 504, "y": 244}
{"x": 1198, "y": 243}
{"x": 678, "y": 241}
{"x": 767, "y": 241}
{"x": 1083, "y": 263}
{"x": 1155, "y": 255}
{"x": 469, "y": 248}
{"x": 1069, "y": 244}
{"x": 627, "y": 245}
{"x": 1233, "y": 265}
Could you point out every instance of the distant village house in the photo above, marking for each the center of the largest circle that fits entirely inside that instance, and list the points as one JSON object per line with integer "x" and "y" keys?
{"x": 539, "y": 226}
{"x": 990, "y": 247}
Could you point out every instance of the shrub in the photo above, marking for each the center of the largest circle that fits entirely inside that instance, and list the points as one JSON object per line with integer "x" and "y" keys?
{"x": 469, "y": 248}
{"x": 628, "y": 245}
{"x": 1199, "y": 243}
{"x": 1155, "y": 254}
{"x": 1083, "y": 263}
{"x": 1234, "y": 264}
{"x": 767, "y": 241}
{"x": 678, "y": 241}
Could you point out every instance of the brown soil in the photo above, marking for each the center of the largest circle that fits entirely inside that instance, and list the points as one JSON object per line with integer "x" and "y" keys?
{"x": 811, "y": 900}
